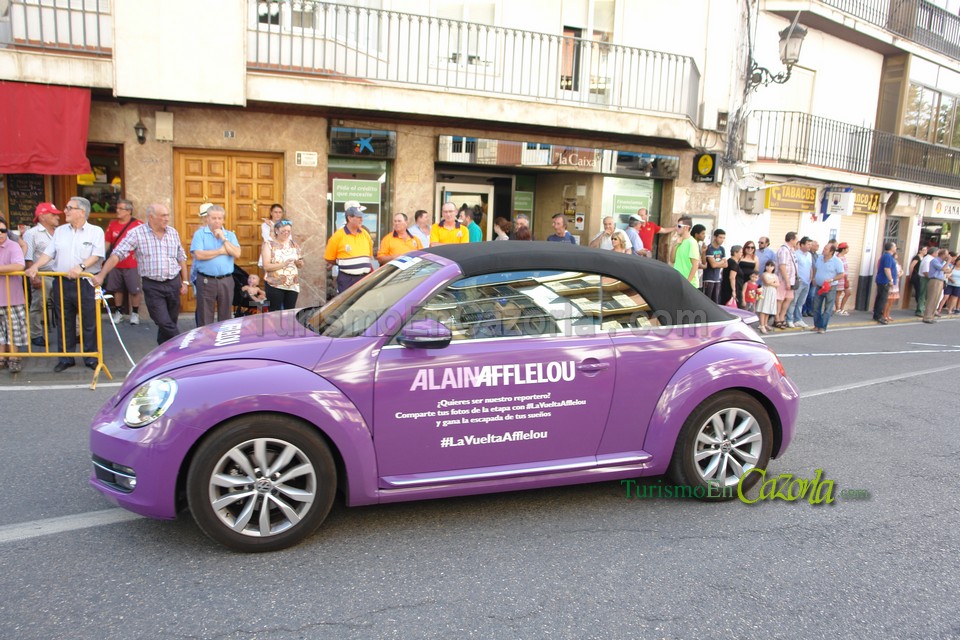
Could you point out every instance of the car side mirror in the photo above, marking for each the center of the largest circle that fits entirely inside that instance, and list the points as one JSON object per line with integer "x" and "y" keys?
{"x": 425, "y": 334}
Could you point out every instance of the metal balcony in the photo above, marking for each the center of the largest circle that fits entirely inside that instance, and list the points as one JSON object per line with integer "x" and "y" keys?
{"x": 800, "y": 138}
{"x": 74, "y": 26}
{"x": 308, "y": 37}
{"x": 917, "y": 20}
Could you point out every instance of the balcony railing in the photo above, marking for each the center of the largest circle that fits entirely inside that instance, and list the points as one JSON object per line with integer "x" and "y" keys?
{"x": 77, "y": 26}
{"x": 800, "y": 138}
{"x": 371, "y": 45}
{"x": 917, "y": 20}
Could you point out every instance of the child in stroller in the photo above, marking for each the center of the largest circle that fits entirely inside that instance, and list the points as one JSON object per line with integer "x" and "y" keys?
{"x": 248, "y": 297}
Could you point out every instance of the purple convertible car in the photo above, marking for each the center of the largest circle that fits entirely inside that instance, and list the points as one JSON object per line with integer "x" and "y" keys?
{"x": 457, "y": 370}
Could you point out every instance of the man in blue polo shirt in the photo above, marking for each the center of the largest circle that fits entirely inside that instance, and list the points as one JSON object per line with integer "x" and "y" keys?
{"x": 214, "y": 249}
{"x": 886, "y": 278}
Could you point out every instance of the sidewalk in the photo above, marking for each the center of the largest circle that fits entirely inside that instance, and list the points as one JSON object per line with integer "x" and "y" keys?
{"x": 860, "y": 319}
{"x": 142, "y": 338}
{"x": 139, "y": 340}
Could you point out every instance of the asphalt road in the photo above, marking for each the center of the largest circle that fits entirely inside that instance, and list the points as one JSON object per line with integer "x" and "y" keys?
{"x": 576, "y": 562}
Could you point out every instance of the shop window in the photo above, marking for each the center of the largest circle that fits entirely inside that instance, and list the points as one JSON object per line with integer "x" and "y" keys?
{"x": 367, "y": 181}
{"x": 103, "y": 186}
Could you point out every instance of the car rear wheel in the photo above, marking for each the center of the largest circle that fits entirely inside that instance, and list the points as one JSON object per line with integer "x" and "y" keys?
{"x": 261, "y": 483}
{"x": 726, "y": 435}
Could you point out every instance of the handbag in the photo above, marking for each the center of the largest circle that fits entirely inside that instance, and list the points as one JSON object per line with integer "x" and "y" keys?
{"x": 732, "y": 303}
{"x": 824, "y": 288}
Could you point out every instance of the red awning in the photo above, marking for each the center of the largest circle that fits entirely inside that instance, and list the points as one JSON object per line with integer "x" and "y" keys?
{"x": 43, "y": 129}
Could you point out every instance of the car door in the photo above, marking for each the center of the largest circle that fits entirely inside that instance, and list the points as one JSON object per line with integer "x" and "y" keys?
{"x": 524, "y": 386}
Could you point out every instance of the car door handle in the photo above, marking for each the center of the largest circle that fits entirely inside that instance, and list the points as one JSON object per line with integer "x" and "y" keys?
{"x": 593, "y": 366}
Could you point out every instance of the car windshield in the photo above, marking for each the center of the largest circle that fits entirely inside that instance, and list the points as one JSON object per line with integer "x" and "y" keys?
{"x": 351, "y": 313}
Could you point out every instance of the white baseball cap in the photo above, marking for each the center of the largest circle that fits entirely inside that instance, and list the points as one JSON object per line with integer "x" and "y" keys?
{"x": 353, "y": 204}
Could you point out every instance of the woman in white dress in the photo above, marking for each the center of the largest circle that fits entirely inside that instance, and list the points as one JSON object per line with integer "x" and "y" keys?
{"x": 267, "y": 228}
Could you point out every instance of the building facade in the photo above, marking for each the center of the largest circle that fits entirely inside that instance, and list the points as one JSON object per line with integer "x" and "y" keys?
{"x": 604, "y": 107}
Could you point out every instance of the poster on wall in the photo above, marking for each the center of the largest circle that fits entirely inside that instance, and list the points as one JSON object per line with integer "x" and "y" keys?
{"x": 626, "y": 205}
{"x": 367, "y": 193}
{"x": 523, "y": 201}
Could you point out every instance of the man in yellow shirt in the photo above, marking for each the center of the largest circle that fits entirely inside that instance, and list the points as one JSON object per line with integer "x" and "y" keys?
{"x": 399, "y": 242}
{"x": 350, "y": 249}
{"x": 448, "y": 230}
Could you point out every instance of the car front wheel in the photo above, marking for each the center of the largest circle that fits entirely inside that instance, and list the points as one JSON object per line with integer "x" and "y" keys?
{"x": 261, "y": 483}
{"x": 725, "y": 436}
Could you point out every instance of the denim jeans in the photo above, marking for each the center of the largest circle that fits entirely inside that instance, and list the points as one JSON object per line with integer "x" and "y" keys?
{"x": 794, "y": 312}
{"x": 823, "y": 308}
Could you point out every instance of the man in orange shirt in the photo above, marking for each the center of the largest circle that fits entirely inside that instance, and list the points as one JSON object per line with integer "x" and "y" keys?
{"x": 448, "y": 230}
{"x": 399, "y": 242}
{"x": 350, "y": 249}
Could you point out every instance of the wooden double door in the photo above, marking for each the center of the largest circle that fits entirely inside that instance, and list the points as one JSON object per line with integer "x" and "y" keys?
{"x": 244, "y": 184}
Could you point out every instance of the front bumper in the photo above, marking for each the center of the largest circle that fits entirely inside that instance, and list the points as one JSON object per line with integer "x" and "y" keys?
{"x": 154, "y": 455}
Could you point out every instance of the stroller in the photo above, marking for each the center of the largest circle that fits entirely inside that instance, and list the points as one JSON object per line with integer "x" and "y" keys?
{"x": 243, "y": 304}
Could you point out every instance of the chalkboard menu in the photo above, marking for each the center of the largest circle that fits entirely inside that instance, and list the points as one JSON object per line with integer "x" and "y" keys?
{"x": 24, "y": 192}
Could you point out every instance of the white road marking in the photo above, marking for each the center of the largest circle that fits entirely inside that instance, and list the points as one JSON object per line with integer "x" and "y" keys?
{"x": 864, "y": 353}
{"x": 58, "y": 387}
{"x": 868, "y": 383}
{"x": 50, "y": 526}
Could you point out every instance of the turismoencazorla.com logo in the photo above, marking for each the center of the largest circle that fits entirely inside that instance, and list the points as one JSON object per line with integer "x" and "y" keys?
{"x": 785, "y": 487}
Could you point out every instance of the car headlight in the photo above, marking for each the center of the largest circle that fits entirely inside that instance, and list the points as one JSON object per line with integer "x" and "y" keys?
{"x": 149, "y": 402}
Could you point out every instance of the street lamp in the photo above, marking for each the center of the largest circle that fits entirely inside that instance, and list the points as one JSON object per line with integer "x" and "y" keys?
{"x": 791, "y": 39}
{"x": 141, "y": 131}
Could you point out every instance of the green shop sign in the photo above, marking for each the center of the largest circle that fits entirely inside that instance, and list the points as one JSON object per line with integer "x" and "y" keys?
{"x": 523, "y": 200}
{"x": 625, "y": 205}
{"x": 363, "y": 191}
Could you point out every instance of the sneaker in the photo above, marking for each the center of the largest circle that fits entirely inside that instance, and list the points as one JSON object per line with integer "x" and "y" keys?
{"x": 134, "y": 318}
{"x": 116, "y": 317}
{"x": 791, "y": 325}
{"x": 802, "y": 324}
{"x": 15, "y": 364}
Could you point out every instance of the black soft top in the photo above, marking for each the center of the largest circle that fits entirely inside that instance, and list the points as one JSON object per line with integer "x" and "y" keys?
{"x": 660, "y": 284}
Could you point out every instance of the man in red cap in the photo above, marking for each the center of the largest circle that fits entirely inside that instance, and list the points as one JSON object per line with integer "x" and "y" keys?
{"x": 46, "y": 218}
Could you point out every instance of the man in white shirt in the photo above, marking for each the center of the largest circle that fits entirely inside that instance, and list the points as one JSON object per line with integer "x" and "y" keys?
{"x": 924, "y": 279}
{"x": 604, "y": 239}
{"x": 420, "y": 228}
{"x": 77, "y": 247}
{"x": 47, "y": 219}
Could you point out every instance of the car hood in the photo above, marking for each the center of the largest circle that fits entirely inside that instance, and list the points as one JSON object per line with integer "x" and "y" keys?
{"x": 271, "y": 336}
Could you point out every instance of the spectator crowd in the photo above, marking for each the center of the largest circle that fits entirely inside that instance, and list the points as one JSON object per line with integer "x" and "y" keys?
{"x": 145, "y": 261}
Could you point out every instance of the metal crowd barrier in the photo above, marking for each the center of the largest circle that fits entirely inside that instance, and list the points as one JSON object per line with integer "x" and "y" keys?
{"x": 48, "y": 350}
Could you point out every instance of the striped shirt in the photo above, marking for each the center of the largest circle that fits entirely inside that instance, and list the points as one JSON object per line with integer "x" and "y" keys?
{"x": 157, "y": 258}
